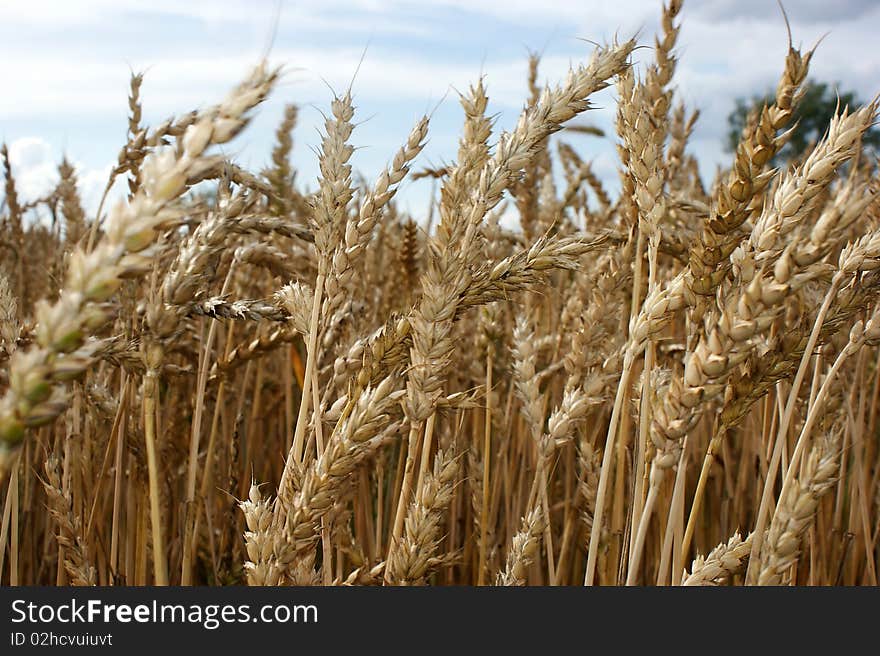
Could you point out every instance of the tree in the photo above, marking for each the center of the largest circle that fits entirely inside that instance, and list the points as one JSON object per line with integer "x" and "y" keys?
{"x": 813, "y": 113}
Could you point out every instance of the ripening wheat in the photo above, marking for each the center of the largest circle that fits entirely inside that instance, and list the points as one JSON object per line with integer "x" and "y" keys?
{"x": 268, "y": 385}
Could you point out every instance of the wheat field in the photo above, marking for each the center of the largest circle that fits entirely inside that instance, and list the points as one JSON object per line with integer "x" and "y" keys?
{"x": 225, "y": 377}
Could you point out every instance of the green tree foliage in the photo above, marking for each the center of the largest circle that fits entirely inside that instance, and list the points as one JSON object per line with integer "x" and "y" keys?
{"x": 819, "y": 103}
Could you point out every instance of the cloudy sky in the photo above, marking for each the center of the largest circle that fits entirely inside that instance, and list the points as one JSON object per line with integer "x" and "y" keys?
{"x": 67, "y": 64}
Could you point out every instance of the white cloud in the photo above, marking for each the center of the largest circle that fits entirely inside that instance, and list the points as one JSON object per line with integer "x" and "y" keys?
{"x": 806, "y": 11}
{"x": 79, "y": 56}
{"x": 87, "y": 86}
{"x": 258, "y": 18}
{"x": 34, "y": 165}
